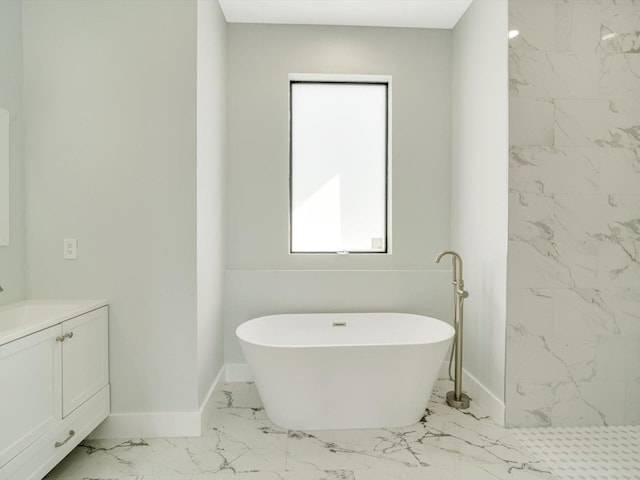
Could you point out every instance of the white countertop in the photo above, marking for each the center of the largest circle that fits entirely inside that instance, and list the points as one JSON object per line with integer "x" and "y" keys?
{"x": 29, "y": 316}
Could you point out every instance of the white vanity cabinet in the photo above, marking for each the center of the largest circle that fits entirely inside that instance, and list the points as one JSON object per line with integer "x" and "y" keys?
{"x": 54, "y": 390}
{"x": 85, "y": 358}
{"x": 30, "y": 382}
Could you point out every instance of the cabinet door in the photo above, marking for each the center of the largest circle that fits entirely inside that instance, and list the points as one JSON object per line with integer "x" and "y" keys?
{"x": 85, "y": 358}
{"x": 30, "y": 393}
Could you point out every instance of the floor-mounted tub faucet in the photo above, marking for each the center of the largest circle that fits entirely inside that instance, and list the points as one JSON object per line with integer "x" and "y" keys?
{"x": 456, "y": 398}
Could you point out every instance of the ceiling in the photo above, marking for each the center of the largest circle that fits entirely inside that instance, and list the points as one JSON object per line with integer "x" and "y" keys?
{"x": 371, "y": 13}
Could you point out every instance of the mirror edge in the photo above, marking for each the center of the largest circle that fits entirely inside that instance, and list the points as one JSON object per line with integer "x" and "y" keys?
{"x": 4, "y": 176}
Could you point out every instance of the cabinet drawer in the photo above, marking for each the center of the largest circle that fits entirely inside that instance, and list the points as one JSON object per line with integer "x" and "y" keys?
{"x": 58, "y": 443}
{"x": 30, "y": 390}
{"x": 85, "y": 358}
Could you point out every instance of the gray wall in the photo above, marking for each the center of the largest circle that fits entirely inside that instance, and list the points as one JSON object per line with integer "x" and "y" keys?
{"x": 573, "y": 336}
{"x": 211, "y": 111}
{"x": 12, "y": 257}
{"x": 260, "y": 57}
{"x": 110, "y": 100}
{"x": 479, "y": 187}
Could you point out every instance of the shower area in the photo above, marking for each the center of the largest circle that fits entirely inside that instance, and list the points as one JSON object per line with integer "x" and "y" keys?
{"x": 573, "y": 282}
{"x": 573, "y": 302}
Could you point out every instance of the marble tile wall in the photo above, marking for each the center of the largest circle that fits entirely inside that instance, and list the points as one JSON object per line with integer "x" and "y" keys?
{"x": 573, "y": 332}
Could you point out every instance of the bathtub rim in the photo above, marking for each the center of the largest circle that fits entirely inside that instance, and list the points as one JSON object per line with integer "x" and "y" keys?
{"x": 346, "y": 345}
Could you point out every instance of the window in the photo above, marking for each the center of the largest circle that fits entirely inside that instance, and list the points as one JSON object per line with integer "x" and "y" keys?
{"x": 338, "y": 153}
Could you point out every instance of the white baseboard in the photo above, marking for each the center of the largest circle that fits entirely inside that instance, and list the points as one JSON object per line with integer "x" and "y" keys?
{"x": 239, "y": 372}
{"x": 190, "y": 424}
{"x": 149, "y": 425}
{"x": 160, "y": 424}
{"x": 492, "y": 405}
{"x": 208, "y": 406}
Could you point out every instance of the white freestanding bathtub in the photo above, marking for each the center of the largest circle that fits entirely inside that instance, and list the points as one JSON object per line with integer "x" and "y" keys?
{"x": 347, "y": 370}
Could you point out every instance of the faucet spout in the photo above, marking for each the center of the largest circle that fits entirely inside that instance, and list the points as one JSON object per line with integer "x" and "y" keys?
{"x": 456, "y": 264}
{"x": 443, "y": 253}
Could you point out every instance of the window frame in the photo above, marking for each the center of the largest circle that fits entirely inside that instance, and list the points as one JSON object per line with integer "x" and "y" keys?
{"x": 382, "y": 80}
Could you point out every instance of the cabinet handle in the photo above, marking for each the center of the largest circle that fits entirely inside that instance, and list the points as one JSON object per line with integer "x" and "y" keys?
{"x": 71, "y": 435}
{"x": 64, "y": 337}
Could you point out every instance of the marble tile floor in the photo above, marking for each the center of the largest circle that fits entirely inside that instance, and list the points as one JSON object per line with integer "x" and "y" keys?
{"x": 241, "y": 443}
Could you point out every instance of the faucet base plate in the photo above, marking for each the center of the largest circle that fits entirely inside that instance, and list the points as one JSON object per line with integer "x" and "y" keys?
{"x": 461, "y": 403}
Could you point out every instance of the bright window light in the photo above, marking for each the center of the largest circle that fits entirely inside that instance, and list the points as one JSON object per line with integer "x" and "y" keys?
{"x": 338, "y": 167}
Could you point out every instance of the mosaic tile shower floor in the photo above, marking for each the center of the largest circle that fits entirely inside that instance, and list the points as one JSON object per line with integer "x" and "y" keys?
{"x": 241, "y": 443}
{"x": 591, "y": 453}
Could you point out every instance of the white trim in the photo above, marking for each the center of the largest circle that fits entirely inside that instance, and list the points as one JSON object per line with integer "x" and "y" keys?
{"x": 492, "y": 405}
{"x": 358, "y": 78}
{"x": 190, "y": 424}
{"x": 5, "y": 188}
{"x": 238, "y": 372}
{"x": 340, "y": 77}
{"x": 149, "y": 425}
{"x": 160, "y": 424}
{"x": 207, "y": 407}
